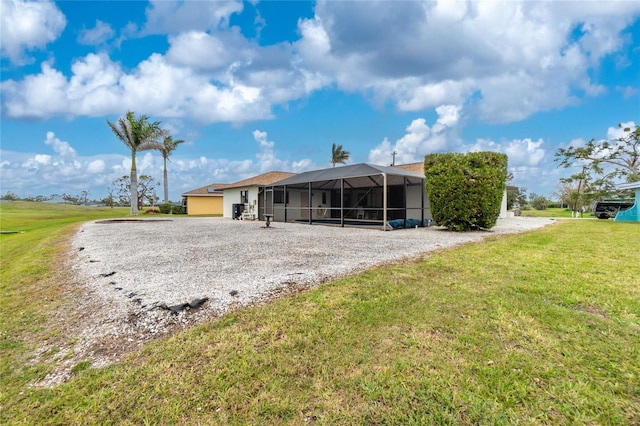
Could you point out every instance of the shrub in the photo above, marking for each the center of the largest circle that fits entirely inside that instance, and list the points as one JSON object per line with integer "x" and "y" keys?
{"x": 165, "y": 208}
{"x": 151, "y": 211}
{"x": 178, "y": 210}
{"x": 539, "y": 203}
{"x": 466, "y": 190}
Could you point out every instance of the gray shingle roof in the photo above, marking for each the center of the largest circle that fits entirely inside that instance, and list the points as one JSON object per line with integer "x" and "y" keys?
{"x": 346, "y": 172}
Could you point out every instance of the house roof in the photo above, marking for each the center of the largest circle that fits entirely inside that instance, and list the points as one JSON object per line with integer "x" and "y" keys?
{"x": 212, "y": 190}
{"x": 261, "y": 180}
{"x": 412, "y": 167}
{"x": 351, "y": 172}
{"x": 633, "y": 185}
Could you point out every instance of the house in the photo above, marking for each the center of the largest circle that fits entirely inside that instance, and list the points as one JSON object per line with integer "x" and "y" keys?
{"x": 243, "y": 199}
{"x": 206, "y": 200}
{"x": 632, "y": 214}
{"x": 359, "y": 194}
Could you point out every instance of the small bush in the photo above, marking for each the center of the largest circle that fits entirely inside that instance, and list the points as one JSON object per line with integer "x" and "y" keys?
{"x": 151, "y": 211}
{"x": 466, "y": 190}
{"x": 165, "y": 208}
{"x": 539, "y": 203}
{"x": 178, "y": 210}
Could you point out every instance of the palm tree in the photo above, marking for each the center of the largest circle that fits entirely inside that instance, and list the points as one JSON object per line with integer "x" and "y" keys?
{"x": 138, "y": 134}
{"x": 168, "y": 146}
{"x": 338, "y": 155}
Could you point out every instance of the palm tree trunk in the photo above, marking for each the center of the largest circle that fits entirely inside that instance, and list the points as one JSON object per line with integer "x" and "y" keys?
{"x": 133, "y": 189}
{"x": 166, "y": 182}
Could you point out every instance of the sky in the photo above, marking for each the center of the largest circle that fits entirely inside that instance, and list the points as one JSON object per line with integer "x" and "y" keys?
{"x": 259, "y": 86}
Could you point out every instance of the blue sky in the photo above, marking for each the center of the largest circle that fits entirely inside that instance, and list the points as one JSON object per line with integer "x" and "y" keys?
{"x": 260, "y": 86}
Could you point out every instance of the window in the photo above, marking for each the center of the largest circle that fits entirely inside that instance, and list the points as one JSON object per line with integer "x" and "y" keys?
{"x": 324, "y": 198}
{"x": 278, "y": 196}
{"x": 244, "y": 197}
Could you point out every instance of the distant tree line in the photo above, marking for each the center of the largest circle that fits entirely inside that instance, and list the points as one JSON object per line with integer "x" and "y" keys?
{"x": 118, "y": 194}
{"x": 81, "y": 199}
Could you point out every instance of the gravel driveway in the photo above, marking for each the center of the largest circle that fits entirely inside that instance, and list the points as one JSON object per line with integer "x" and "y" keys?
{"x": 229, "y": 262}
{"x": 129, "y": 272}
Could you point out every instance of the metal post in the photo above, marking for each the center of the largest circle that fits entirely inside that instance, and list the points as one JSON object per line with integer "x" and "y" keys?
{"x": 285, "y": 203}
{"x": 384, "y": 201}
{"x": 310, "y": 207}
{"x": 342, "y": 202}
{"x": 404, "y": 196}
{"x": 422, "y": 203}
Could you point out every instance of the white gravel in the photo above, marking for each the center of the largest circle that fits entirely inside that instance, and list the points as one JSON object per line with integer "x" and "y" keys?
{"x": 126, "y": 269}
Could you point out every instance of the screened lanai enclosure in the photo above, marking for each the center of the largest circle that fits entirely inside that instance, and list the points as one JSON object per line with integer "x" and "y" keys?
{"x": 354, "y": 195}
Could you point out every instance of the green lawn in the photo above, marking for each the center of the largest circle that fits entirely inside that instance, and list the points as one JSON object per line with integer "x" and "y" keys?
{"x": 537, "y": 328}
{"x": 32, "y": 243}
{"x": 553, "y": 212}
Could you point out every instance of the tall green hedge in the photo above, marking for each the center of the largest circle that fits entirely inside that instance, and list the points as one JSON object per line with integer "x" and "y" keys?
{"x": 465, "y": 190}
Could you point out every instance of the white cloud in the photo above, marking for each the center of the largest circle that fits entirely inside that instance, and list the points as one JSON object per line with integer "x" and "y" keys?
{"x": 415, "y": 96}
{"x": 145, "y": 162}
{"x": 28, "y": 25}
{"x": 40, "y": 95}
{"x": 99, "y": 86}
{"x": 96, "y": 166}
{"x": 96, "y": 35}
{"x": 60, "y": 147}
{"x": 522, "y": 153}
{"x": 302, "y": 166}
{"x": 268, "y": 160}
{"x": 502, "y": 61}
{"x": 174, "y": 16}
{"x": 421, "y": 139}
{"x": 509, "y": 59}
{"x": 618, "y": 132}
{"x": 42, "y": 159}
{"x": 628, "y": 91}
{"x": 201, "y": 50}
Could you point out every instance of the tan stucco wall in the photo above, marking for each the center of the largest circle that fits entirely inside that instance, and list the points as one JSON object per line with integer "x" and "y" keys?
{"x": 204, "y": 205}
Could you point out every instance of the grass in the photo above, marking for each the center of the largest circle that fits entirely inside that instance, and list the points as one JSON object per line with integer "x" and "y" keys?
{"x": 553, "y": 212}
{"x": 537, "y": 328}
{"x": 32, "y": 273}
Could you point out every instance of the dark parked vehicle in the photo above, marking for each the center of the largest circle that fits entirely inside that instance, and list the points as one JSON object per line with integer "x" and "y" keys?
{"x": 609, "y": 208}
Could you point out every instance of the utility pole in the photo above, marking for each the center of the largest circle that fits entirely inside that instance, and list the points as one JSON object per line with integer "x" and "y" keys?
{"x": 393, "y": 161}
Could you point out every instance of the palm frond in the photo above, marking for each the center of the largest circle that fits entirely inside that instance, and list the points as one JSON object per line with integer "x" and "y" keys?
{"x": 169, "y": 145}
